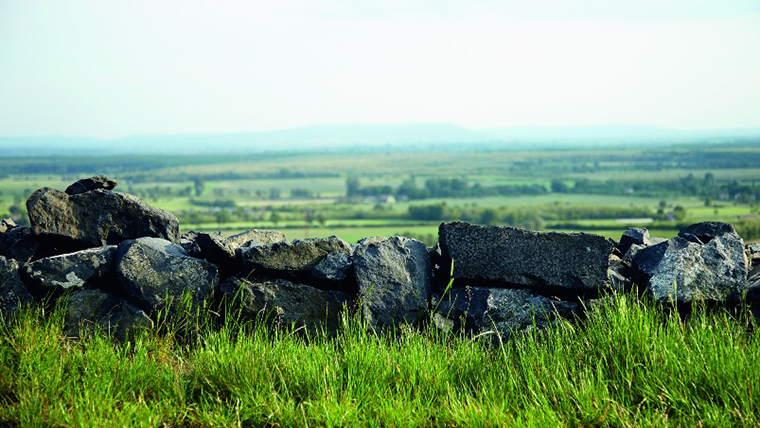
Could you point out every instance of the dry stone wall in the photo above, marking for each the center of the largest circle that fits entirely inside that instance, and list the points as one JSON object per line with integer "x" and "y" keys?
{"x": 117, "y": 263}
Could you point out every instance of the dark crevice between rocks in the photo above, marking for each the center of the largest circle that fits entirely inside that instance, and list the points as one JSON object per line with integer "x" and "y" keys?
{"x": 302, "y": 277}
{"x": 541, "y": 289}
{"x": 54, "y": 245}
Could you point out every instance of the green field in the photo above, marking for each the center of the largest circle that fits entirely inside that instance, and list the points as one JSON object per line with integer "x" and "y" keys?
{"x": 284, "y": 190}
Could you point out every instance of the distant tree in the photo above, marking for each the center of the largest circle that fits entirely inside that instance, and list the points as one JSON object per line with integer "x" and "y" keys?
{"x": 353, "y": 186}
{"x": 680, "y": 213}
{"x": 223, "y": 216}
{"x": 709, "y": 179}
{"x": 274, "y": 217}
{"x": 428, "y": 212}
{"x": 559, "y": 186}
{"x": 489, "y": 216}
{"x": 198, "y": 185}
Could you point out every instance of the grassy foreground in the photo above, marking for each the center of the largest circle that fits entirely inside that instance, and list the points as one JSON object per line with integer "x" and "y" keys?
{"x": 627, "y": 365}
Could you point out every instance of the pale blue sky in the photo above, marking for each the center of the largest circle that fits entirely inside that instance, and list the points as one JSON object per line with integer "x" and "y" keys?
{"x": 114, "y": 68}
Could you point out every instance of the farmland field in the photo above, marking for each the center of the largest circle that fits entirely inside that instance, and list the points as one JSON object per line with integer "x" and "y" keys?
{"x": 366, "y": 193}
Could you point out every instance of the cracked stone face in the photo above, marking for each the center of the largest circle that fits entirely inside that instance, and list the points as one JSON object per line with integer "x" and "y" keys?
{"x": 519, "y": 257}
{"x": 393, "y": 276}
{"x": 73, "y": 270}
{"x": 684, "y": 271}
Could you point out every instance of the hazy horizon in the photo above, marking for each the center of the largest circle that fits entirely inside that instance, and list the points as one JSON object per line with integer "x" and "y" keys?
{"x": 93, "y": 69}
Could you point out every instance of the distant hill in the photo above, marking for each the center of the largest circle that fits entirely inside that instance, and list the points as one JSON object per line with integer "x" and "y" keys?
{"x": 368, "y": 137}
{"x": 616, "y": 134}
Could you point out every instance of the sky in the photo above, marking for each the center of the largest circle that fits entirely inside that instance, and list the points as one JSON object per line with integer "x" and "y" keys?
{"x": 115, "y": 68}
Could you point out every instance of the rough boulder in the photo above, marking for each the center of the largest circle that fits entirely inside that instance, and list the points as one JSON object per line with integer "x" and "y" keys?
{"x": 157, "y": 274}
{"x": 681, "y": 270}
{"x": 97, "y": 217}
{"x": 393, "y": 275}
{"x": 287, "y": 304}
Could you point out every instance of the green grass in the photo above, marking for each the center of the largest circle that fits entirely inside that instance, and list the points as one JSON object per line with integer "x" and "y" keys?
{"x": 628, "y": 365}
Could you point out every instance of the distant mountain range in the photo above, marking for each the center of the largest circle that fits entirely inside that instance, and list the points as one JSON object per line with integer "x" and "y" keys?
{"x": 416, "y": 136}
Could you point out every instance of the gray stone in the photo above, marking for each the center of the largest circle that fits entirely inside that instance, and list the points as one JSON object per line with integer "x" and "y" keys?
{"x": 704, "y": 232}
{"x": 92, "y": 183}
{"x": 753, "y": 284}
{"x": 13, "y": 293}
{"x": 88, "y": 310}
{"x": 393, "y": 276}
{"x": 634, "y": 235}
{"x": 298, "y": 256}
{"x": 214, "y": 248}
{"x": 157, "y": 274}
{"x": 74, "y": 270}
{"x": 618, "y": 281}
{"x": 286, "y": 303}
{"x": 221, "y": 251}
{"x": 569, "y": 261}
{"x": 6, "y": 225}
{"x": 684, "y": 271}
{"x": 631, "y": 253}
{"x": 187, "y": 241}
{"x": 255, "y": 237}
{"x": 502, "y": 311}
{"x": 98, "y": 217}
{"x": 752, "y": 250}
{"x": 336, "y": 266}
{"x": 19, "y": 244}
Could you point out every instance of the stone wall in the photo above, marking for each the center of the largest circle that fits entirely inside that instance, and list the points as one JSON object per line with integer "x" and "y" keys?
{"x": 117, "y": 263}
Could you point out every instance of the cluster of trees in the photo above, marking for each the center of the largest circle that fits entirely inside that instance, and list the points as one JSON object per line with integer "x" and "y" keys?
{"x": 706, "y": 187}
{"x": 528, "y": 217}
{"x": 440, "y": 188}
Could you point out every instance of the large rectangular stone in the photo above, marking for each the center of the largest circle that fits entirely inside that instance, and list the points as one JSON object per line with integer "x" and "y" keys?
{"x": 513, "y": 256}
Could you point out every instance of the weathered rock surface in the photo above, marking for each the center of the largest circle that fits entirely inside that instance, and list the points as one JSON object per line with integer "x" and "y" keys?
{"x": 752, "y": 250}
{"x": 92, "y": 183}
{"x": 753, "y": 285}
{"x": 634, "y": 235}
{"x": 187, "y": 241}
{"x": 221, "y": 251}
{"x": 287, "y": 303}
{"x": 255, "y": 237}
{"x": 74, "y": 270}
{"x": 157, "y": 273}
{"x": 98, "y": 217}
{"x": 7, "y": 224}
{"x": 513, "y": 256}
{"x": 13, "y": 293}
{"x": 19, "y": 244}
{"x": 706, "y": 231}
{"x": 336, "y": 266}
{"x": 393, "y": 276}
{"x": 213, "y": 248}
{"x": 298, "y": 256}
{"x": 683, "y": 271}
{"x": 503, "y": 311}
{"x": 617, "y": 278}
{"x": 95, "y": 309}
{"x": 631, "y": 253}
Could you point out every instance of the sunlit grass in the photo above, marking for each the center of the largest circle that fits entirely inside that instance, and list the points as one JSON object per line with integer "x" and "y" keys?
{"x": 628, "y": 364}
